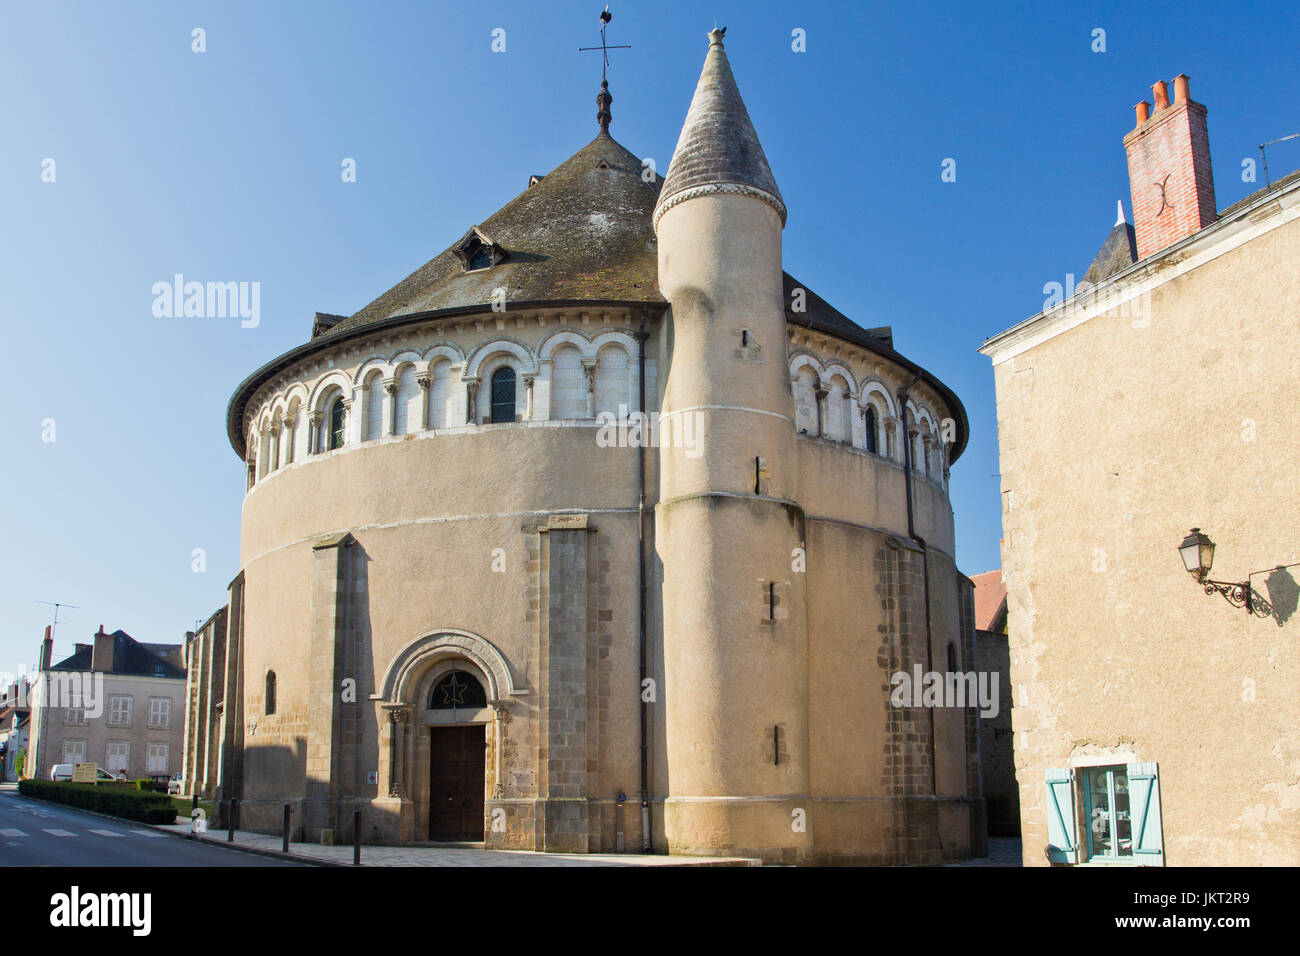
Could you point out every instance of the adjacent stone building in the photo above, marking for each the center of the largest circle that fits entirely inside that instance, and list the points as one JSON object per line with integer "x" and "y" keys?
{"x": 207, "y": 734}
{"x": 997, "y": 752}
{"x": 600, "y": 531}
{"x": 114, "y": 702}
{"x": 1156, "y": 711}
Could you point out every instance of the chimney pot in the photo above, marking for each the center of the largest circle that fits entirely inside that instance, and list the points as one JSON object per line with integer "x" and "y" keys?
{"x": 1143, "y": 112}
{"x": 1160, "y": 92}
{"x": 1181, "y": 92}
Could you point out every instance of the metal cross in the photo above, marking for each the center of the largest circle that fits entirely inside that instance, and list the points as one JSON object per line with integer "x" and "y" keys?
{"x": 604, "y": 49}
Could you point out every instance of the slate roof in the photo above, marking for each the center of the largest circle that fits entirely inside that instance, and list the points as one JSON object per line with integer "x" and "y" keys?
{"x": 130, "y": 659}
{"x": 718, "y": 143}
{"x": 1117, "y": 253}
{"x": 582, "y": 232}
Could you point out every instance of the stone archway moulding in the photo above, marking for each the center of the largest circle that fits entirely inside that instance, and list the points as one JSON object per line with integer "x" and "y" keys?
{"x": 399, "y": 680}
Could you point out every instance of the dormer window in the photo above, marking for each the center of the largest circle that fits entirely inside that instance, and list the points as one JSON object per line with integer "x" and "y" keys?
{"x": 477, "y": 250}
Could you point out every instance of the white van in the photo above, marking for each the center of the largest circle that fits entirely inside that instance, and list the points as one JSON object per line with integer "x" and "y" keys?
{"x": 63, "y": 771}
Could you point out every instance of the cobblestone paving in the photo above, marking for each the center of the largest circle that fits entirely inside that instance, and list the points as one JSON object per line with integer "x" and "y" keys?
{"x": 1003, "y": 851}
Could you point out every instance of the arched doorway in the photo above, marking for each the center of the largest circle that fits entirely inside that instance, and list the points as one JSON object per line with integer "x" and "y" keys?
{"x": 455, "y": 719}
{"x": 406, "y": 694}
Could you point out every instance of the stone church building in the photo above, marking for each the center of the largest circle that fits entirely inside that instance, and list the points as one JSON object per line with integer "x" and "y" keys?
{"x": 599, "y": 531}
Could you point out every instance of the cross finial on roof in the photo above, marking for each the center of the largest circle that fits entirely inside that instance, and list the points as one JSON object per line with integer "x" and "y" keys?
{"x": 603, "y": 98}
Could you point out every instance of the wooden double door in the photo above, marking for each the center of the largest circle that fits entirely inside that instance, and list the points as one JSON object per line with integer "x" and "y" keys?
{"x": 456, "y": 765}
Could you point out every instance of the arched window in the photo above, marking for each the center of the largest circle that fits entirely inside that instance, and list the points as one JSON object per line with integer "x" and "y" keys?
{"x": 873, "y": 427}
{"x": 270, "y": 692}
{"x": 953, "y": 666}
{"x": 503, "y": 395}
{"x": 457, "y": 690}
{"x": 337, "y": 418}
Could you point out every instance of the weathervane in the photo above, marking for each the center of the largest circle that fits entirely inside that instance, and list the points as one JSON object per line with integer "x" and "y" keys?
{"x": 603, "y": 99}
{"x": 605, "y": 17}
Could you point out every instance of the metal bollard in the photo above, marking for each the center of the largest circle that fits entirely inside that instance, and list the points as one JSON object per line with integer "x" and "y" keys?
{"x": 194, "y": 801}
{"x": 356, "y": 837}
{"x": 234, "y": 809}
{"x": 284, "y": 848}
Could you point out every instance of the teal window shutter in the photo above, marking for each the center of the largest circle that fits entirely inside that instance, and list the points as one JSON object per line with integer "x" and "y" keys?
{"x": 1144, "y": 811}
{"x": 1062, "y": 840}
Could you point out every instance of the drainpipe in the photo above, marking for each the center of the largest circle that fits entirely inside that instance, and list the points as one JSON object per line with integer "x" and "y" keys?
{"x": 925, "y": 564}
{"x": 641, "y": 581}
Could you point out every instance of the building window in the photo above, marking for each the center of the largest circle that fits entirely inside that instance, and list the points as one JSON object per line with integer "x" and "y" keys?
{"x": 160, "y": 712}
{"x": 119, "y": 711}
{"x": 74, "y": 751}
{"x": 270, "y": 692}
{"x": 456, "y": 690}
{"x": 157, "y": 759}
{"x": 873, "y": 426}
{"x": 503, "y": 395}
{"x": 1106, "y": 809}
{"x": 337, "y": 420}
{"x": 118, "y": 757}
{"x": 75, "y": 713}
{"x": 953, "y": 665}
{"x": 480, "y": 258}
{"x": 1120, "y": 815}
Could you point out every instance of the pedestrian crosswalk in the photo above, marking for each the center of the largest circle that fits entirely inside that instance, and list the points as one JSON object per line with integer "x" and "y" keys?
{"x": 11, "y": 833}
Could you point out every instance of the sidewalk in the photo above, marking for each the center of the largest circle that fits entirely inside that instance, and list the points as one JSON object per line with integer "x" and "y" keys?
{"x": 444, "y": 856}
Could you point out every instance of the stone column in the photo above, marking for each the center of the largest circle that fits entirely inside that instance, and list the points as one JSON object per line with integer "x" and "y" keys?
{"x": 821, "y": 391}
{"x": 390, "y": 406}
{"x": 589, "y": 367}
{"x": 289, "y": 424}
{"x": 891, "y": 437}
{"x": 529, "y": 379}
{"x": 277, "y": 434}
{"x": 314, "y": 444}
{"x": 399, "y": 720}
{"x": 425, "y": 381}
{"x": 471, "y": 401}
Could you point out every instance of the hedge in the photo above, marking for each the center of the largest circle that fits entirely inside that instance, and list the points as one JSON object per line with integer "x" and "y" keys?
{"x": 104, "y": 798}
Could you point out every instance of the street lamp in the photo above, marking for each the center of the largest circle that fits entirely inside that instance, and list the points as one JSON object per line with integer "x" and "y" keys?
{"x": 1198, "y": 554}
{"x": 1197, "y": 551}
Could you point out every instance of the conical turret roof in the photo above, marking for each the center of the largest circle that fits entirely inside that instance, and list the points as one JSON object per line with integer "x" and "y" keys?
{"x": 718, "y": 149}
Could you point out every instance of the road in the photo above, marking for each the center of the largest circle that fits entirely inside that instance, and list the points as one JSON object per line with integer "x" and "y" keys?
{"x": 34, "y": 833}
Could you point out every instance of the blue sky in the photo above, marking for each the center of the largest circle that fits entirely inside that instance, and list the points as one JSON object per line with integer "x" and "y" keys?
{"x": 225, "y": 165}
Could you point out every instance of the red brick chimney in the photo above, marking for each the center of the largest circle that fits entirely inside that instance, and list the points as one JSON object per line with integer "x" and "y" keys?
{"x": 1169, "y": 169}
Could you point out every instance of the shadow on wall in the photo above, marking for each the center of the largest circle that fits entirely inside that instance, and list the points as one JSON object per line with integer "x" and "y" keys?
{"x": 1283, "y": 594}
{"x": 273, "y": 770}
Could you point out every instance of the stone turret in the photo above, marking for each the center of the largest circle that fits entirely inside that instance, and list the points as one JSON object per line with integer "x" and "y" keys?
{"x": 728, "y": 523}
